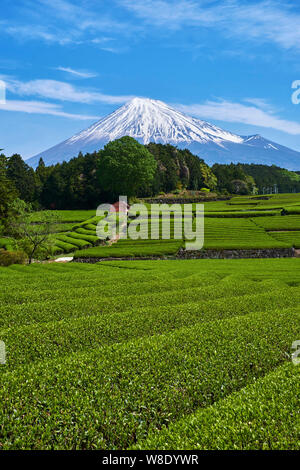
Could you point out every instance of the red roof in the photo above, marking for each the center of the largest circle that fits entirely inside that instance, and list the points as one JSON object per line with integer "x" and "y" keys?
{"x": 121, "y": 206}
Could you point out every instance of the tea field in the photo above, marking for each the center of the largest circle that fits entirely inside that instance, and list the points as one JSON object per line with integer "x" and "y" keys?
{"x": 254, "y": 222}
{"x": 164, "y": 354}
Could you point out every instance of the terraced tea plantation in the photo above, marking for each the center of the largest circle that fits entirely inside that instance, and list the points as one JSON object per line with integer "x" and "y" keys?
{"x": 240, "y": 223}
{"x": 150, "y": 355}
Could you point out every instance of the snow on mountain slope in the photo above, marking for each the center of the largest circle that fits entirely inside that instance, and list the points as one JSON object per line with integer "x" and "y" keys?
{"x": 154, "y": 121}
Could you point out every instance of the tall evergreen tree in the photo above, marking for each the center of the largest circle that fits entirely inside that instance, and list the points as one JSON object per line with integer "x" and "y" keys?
{"x": 8, "y": 193}
{"x": 22, "y": 176}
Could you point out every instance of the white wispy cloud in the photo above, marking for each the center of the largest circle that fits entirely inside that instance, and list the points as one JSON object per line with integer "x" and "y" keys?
{"x": 35, "y": 32}
{"x": 84, "y": 16}
{"x": 77, "y": 73}
{"x": 63, "y": 22}
{"x": 266, "y": 20}
{"x": 61, "y": 91}
{"x": 260, "y": 103}
{"x": 40, "y": 107}
{"x": 170, "y": 14}
{"x": 228, "y": 111}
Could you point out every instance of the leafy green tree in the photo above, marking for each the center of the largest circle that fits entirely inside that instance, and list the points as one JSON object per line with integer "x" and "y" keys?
{"x": 209, "y": 178}
{"x": 168, "y": 169}
{"x": 239, "y": 187}
{"x": 126, "y": 167}
{"x": 179, "y": 167}
{"x": 230, "y": 177}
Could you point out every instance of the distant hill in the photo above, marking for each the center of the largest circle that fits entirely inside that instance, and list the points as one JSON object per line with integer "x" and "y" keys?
{"x": 272, "y": 176}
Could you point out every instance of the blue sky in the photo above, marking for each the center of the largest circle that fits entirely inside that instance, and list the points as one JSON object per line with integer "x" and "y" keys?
{"x": 67, "y": 63}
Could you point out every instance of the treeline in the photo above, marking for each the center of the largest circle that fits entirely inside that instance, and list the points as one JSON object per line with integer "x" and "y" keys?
{"x": 126, "y": 167}
{"x": 80, "y": 183}
{"x": 273, "y": 177}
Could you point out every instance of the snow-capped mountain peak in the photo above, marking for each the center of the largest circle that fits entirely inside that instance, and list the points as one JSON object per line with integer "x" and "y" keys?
{"x": 149, "y": 120}
{"x": 153, "y": 121}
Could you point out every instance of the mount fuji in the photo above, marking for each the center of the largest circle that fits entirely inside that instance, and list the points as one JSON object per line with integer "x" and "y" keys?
{"x": 150, "y": 120}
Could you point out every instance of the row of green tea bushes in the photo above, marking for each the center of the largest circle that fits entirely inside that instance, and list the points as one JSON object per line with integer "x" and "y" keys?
{"x": 20, "y": 278}
{"x": 289, "y": 222}
{"x": 81, "y": 236}
{"x": 89, "y": 238}
{"x": 90, "y": 227}
{"x": 193, "y": 300}
{"x": 133, "y": 249}
{"x": 53, "y": 274}
{"x": 114, "y": 396}
{"x": 227, "y": 206}
{"x": 131, "y": 298}
{"x": 145, "y": 282}
{"x": 85, "y": 231}
{"x": 131, "y": 285}
{"x": 39, "y": 341}
{"x": 91, "y": 224}
{"x": 59, "y": 228}
{"x": 62, "y": 247}
{"x": 242, "y": 214}
{"x": 43, "y": 277}
{"x": 289, "y": 237}
{"x": 76, "y": 242}
{"x": 242, "y": 202}
{"x": 215, "y": 206}
{"x": 261, "y": 416}
{"x": 158, "y": 209}
{"x": 237, "y": 234}
{"x": 292, "y": 210}
{"x": 270, "y": 202}
{"x": 92, "y": 220}
{"x": 270, "y": 199}
{"x": 285, "y": 270}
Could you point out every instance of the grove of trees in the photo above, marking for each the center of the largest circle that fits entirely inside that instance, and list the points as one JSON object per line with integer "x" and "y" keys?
{"x": 125, "y": 167}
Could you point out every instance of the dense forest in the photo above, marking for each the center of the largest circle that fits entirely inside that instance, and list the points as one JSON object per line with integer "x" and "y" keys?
{"x": 273, "y": 177}
{"x": 134, "y": 169}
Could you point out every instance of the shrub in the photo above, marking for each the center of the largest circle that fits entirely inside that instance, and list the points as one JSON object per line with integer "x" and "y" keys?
{"x": 7, "y": 258}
